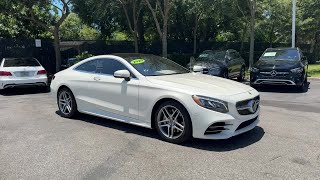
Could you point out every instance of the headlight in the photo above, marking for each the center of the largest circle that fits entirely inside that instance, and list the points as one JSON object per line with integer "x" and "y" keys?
{"x": 297, "y": 70}
{"x": 211, "y": 103}
{"x": 253, "y": 69}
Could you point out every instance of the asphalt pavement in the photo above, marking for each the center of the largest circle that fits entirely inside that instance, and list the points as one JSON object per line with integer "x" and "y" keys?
{"x": 36, "y": 143}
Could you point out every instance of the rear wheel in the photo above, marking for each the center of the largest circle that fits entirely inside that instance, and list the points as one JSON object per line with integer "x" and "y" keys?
{"x": 242, "y": 74}
{"x": 173, "y": 123}
{"x": 67, "y": 103}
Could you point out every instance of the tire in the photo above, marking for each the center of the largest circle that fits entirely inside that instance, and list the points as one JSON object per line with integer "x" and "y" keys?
{"x": 242, "y": 74}
{"x": 173, "y": 127}
{"x": 302, "y": 87}
{"x": 66, "y": 96}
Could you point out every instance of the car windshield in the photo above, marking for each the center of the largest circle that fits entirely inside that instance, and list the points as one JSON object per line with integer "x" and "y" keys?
{"x": 212, "y": 56}
{"x": 20, "y": 62}
{"x": 150, "y": 65}
{"x": 283, "y": 54}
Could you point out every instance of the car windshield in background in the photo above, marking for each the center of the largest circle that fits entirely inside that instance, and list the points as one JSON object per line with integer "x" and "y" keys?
{"x": 20, "y": 62}
{"x": 285, "y": 54}
{"x": 149, "y": 65}
{"x": 212, "y": 56}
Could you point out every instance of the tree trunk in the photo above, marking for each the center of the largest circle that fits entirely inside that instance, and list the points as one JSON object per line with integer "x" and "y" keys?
{"x": 244, "y": 31}
{"x": 164, "y": 39}
{"x": 136, "y": 43}
{"x": 252, "y": 30}
{"x": 57, "y": 48}
{"x": 195, "y": 29}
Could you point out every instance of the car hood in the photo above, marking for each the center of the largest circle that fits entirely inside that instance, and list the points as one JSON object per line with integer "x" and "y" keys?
{"x": 209, "y": 64}
{"x": 200, "y": 84}
{"x": 277, "y": 64}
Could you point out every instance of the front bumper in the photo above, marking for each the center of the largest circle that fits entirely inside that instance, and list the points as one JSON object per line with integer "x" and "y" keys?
{"x": 233, "y": 123}
{"x": 23, "y": 82}
{"x": 291, "y": 79}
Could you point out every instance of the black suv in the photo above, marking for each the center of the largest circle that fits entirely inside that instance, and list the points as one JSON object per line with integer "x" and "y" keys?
{"x": 227, "y": 64}
{"x": 280, "y": 66}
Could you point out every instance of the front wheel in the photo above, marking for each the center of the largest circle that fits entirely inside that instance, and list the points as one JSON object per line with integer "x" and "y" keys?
{"x": 302, "y": 87}
{"x": 67, "y": 103}
{"x": 173, "y": 123}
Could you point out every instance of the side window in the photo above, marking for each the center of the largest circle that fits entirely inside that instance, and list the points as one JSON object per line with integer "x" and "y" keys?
{"x": 89, "y": 66}
{"x": 211, "y": 56}
{"x": 109, "y": 66}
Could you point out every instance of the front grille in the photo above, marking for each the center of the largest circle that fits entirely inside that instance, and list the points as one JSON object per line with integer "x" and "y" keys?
{"x": 217, "y": 128}
{"x": 245, "y": 107}
{"x": 274, "y": 74}
{"x": 247, "y": 123}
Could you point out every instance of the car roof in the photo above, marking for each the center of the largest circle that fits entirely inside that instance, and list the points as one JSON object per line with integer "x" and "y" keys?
{"x": 281, "y": 48}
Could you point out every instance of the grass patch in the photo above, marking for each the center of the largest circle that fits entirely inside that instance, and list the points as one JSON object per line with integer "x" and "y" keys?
{"x": 314, "y": 70}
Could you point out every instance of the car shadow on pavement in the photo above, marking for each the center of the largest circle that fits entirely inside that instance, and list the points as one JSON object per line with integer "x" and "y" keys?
{"x": 282, "y": 89}
{"x": 24, "y": 91}
{"x": 233, "y": 143}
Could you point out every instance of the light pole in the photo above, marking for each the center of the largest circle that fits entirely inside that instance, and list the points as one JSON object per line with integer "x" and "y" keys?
{"x": 294, "y": 3}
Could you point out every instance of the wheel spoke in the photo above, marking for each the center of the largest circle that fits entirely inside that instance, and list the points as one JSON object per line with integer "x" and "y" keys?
{"x": 171, "y": 128}
{"x": 166, "y": 113}
{"x": 179, "y": 125}
{"x": 178, "y": 129}
{"x": 176, "y": 117}
{"x": 164, "y": 125}
{"x": 69, "y": 108}
{"x": 174, "y": 112}
{"x": 164, "y": 121}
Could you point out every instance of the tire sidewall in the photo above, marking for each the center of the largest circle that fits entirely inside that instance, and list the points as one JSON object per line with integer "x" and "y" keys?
{"x": 187, "y": 134}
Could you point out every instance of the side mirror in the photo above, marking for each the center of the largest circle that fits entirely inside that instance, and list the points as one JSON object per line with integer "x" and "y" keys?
{"x": 122, "y": 74}
{"x": 197, "y": 68}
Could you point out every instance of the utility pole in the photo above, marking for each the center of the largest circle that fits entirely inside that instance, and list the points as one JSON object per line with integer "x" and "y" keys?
{"x": 294, "y": 7}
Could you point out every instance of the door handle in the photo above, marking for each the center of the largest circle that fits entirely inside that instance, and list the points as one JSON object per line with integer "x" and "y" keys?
{"x": 96, "y": 78}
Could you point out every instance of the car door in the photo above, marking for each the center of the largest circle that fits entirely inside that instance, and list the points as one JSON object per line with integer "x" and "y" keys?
{"x": 114, "y": 97}
{"x": 238, "y": 62}
{"x": 231, "y": 63}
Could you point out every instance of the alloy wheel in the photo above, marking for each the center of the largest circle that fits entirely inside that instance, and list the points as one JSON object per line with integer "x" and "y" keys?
{"x": 171, "y": 122}
{"x": 65, "y": 102}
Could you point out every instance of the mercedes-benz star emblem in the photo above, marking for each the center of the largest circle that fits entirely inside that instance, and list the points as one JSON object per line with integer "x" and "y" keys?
{"x": 253, "y": 106}
{"x": 273, "y": 73}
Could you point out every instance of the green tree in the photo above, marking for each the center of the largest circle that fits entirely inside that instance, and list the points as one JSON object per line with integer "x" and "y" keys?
{"x": 74, "y": 29}
{"x": 46, "y": 14}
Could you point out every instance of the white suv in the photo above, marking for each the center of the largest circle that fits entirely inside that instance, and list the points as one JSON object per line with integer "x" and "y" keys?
{"x": 21, "y": 72}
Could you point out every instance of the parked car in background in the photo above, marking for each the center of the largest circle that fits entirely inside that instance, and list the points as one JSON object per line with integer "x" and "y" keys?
{"x": 227, "y": 64}
{"x": 22, "y": 72}
{"x": 68, "y": 62}
{"x": 154, "y": 92}
{"x": 280, "y": 66}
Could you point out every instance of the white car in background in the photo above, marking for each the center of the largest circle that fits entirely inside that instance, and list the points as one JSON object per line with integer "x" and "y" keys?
{"x": 22, "y": 72}
{"x": 154, "y": 92}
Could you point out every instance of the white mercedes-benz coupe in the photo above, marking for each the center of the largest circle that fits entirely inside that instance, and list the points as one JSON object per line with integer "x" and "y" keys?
{"x": 155, "y": 92}
{"x": 22, "y": 72}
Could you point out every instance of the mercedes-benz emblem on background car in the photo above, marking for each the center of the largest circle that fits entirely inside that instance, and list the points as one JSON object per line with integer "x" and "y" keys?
{"x": 253, "y": 106}
{"x": 273, "y": 73}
